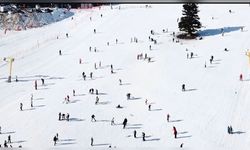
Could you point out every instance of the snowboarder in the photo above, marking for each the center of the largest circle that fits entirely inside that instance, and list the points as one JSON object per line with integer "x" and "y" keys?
{"x": 149, "y": 107}
{"x": 120, "y": 80}
{"x": 91, "y": 141}
{"x": 74, "y": 93}
{"x": 125, "y": 123}
{"x": 134, "y": 133}
{"x": 143, "y": 136}
{"x": 42, "y": 81}
{"x": 60, "y": 52}
{"x": 168, "y": 116}
{"x": 241, "y": 77}
{"x": 93, "y": 118}
{"x": 175, "y": 132}
{"x": 128, "y": 96}
{"x": 9, "y": 139}
{"x": 113, "y": 121}
{"x": 21, "y": 106}
{"x": 183, "y": 87}
{"x": 35, "y": 85}
{"x": 60, "y": 115}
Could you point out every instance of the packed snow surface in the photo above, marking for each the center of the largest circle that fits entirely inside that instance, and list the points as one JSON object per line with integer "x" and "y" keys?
{"x": 214, "y": 98}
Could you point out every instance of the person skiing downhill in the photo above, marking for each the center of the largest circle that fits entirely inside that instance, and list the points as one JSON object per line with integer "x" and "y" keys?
{"x": 175, "y": 132}
{"x": 241, "y": 77}
{"x": 125, "y": 123}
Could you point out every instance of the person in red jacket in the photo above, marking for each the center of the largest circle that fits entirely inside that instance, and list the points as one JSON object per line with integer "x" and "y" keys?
{"x": 241, "y": 77}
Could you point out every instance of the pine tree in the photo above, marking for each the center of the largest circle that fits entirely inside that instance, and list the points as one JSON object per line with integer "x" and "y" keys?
{"x": 189, "y": 23}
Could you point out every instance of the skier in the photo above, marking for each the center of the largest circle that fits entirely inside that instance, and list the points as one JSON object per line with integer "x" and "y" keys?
{"x": 60, "y": 52}
{"x": 183, "y": 87}
{"x": 150, "y": 48}
{"x": 108, "y": 43}
{"x": 93, "y": 118}
{"x": 21, "y": 106}
{"x": 96, "y": 91}
{"x": 120, "y": 80}
{"x": 128, "y": 96}
{"x": 228, "y": 130}
{"x": 149, "y": 107}
{"x": 91, "y": 75}
{"x": 92, "y": 141}
{"x": 97, "y": 100}
{"x": 84, "y": 77}
{"x": 83, "y": 73}
{"x": 205, "y": 65}
{"x": 74, "y": 93}
{"x": 94, "y": 30}
{"x": 100, "y": 64}
{"x": 60, "y": 115}
{"x": 16, "y": 79}
{"x": 175, "y": 132}
{"x": 187, "y": 55}
{"x": 143, "y": 136}
{"x": 95, "y": 49}
{"x": 9, "y": 139}
{"x": 31, "y": 103}
{"x": 5, "y": 143}
{"x": 191, "y": 54}
{"x": 42, "y": 81}
{"x": 67, "y": 35}
{"x": 0, "y": 130}
{"x": 181, "y": 145}
{"x": 116, "y": 41}
{"x": 95, "y": 66}
{"x": 168, "y": 116}
{"x": 146, "y": 102}
{"x": 241, "y": 77}
{"x": 113, "y": 121}
{"x": 55, "y": 140}
{"x": 134, "y": 133}
{"x": 35, "y": 85}
{"x": 125, "y": 123}
{"x": 212, "y": 58}
{"x": 90, "y": 48}
{"x": 80, "y": 61}
{"x": 67, "y": 117}
{"x": 31, "y": 97}
{"x": 101, "y": 15}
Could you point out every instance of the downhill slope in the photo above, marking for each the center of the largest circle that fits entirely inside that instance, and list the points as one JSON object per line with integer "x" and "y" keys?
{"x": 215, "y": 97}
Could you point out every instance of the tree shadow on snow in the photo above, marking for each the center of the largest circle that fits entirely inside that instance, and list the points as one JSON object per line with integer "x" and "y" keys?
{"x": 21, "y": 141}
{"x": 135, "y": 98}
{"x": 27, "y": 109}
{"x": 39, "y": 105}
{"x": 238, "y": 132}
{"x": 67, "y": 140}
{"x": 126, "y": 84}
{"x": 154, "y": 139}
{"x": 76, "y": 119}
{"x": 8, "y": 132}
{"x": 101, "y": 144}
{"x": 37, "y": 99}
{"x": 74, "y": 101}
{"x": 188, "y": 90}
{"x": 104, "y": 103}
{"x": 188, "y": 136}
{"x": 175, "y": 120}
{"x": 212, "y": 32}
{"x": 155, "y": 109}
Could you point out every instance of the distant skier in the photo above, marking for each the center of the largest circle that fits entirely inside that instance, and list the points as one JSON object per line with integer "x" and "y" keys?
{"x": 9, "y": 139}
{"x": 91, "y": 141}
{"x": 181, "y": 145}
{"x": 60, "y": 52}
{"x": 100, "y": 63}
{"x": 149, "y": 107}
{"x": 146, "y": 102}
{"x": 97, "y": 100}
{"x": 74, "y": 92}
{"x": 67, "y": 117}
{"x": 128, "y": 96}
{"x": 5, "y": 144}
{"x": 21, "y": 106}
{"x": 55, "y": 140}
{"x": 96, "y": 92}
{"x": 31, "y": 103}
{"x": 183, "y": 87}
{"x": 175, "y": 132}
{"x": 125, "y": 121}
{"x": 67, "y": 35}
{"x": 35, "y": 85}
{"x": 168, "y": 116}
{"x": 120, "y": 81}
{"x": 116, "y": 41}
{"x": 113, "y": 121}
{"x": 241, "y": 77}
{"x": 60, "y": 116}
{"x": 93, "y": 118}
{"x": 0, "y": 130}
{"x": 134, "y": 133}
{"x": 143, "y": 136}
{"x": 90, "y": 48}
{"x": 80, "y": 61}
{"x": 91, "y": 75}
{"x": 205, "y": 65}
{"x": 191, "y": 55}
{"x": 42, "y": 81}
{"x": 95, "y": 31}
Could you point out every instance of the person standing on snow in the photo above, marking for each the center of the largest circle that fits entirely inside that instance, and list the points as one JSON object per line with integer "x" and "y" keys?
{"x": 183, "y": 87}
{"x": 113, "y": 121}
{"x": 168, "y": 116}
{"x": 35, "y": 85}
{"x": 241, "y": 77}
{"x": 93, "y": 118}
{"x": 125, "y": 123}
{"x": 21, "y": 106}
{"x": 42, "y": 81}
{"x": 74, "y": 92}
{"x": 143, "y": 136}
{"x": 91, "y": 141}
{"x": 175, "y": 132}
{"x": 134, "y": 133}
